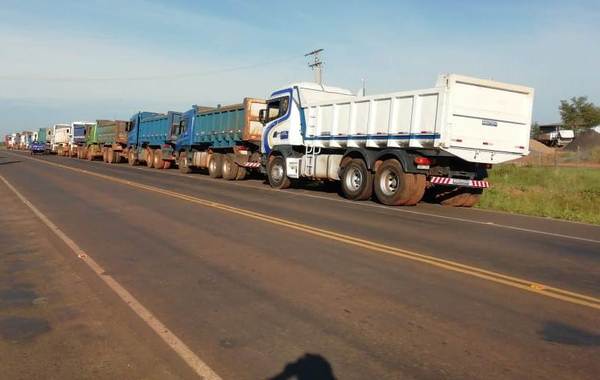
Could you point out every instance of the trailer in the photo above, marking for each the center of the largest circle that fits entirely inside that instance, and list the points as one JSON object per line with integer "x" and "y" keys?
{"x": 107, "y": 139}
{"x": 45, "y": 137}
{"x": 224, "y": 140}
{"x": 151, "y": 139}
{"x": 26, "y": 140}
{"x": 396, "y": 146}
{"x": 77, "y": 138}
{"x": 60, "y": 139}
{"x": 15, "y": 139}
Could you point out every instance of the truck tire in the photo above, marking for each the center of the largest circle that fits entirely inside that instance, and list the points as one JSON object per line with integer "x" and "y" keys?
{"x": 393, "y": 186}
{"x": 131, "y": 159}
{"x": 276, "y": 173}
{"x": 104, "y": 154}
{"x": 109, "y": 155}
{"x": 90, "y": 156}
{"x": 230, "y": 169}
{"x": 241, "y": 173}
{"x": 215, "y": 165}
{"x": 356, "y": 180}
{"x": 149, "y": 158}
{"x": 157, "y": 159}
{"x": 418, "y": 190}
{"x": 183, "y": 163}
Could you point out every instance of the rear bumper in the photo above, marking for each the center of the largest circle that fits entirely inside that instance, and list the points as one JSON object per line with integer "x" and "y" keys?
{"x": 447, "y": 181}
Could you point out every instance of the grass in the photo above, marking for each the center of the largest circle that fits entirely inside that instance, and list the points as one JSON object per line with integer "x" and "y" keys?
{"x": 563, "y": 193}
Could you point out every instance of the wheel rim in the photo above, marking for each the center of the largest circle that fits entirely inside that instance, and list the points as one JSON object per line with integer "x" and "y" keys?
{"x": 213, "y": 165}
{"x": 277, "y": 172}
{"x": 389, "y": 182}
{"x": 354, "y": 179}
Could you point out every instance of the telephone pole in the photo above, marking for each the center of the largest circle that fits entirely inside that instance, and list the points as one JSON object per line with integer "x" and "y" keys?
{"x": 316, "y": 65}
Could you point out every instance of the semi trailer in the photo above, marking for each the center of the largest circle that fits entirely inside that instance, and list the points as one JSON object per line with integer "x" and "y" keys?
{"x": 106, "y": 139}
{"x": 151, "y": 139}
{"x": 77, "y": 139}
{"x": 397, "y": 145}
{"x": 224, "y": 140}
{"x": 25, "y": 140}
{"x": 61, "y": 137}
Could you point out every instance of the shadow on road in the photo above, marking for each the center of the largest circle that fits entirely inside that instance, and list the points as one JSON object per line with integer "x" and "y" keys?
{"x": 307, "y": 367}
{"x": 557, "y": 332}
{"x": 9, "y": 162}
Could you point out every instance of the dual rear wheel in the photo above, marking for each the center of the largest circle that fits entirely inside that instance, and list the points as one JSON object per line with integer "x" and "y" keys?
{"x": 391, "y": 185}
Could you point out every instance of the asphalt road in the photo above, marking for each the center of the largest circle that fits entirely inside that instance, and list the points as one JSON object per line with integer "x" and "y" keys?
{"x": 259, "y": 283}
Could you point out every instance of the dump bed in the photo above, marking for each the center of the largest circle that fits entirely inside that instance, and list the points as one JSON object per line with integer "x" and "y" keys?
{"x": 155, "y": 129}
{"x": 41, "y": 137}
{"x": 111, "y": 132}
{"x": 477, "y": 120}
{"x": 227, "y": 126}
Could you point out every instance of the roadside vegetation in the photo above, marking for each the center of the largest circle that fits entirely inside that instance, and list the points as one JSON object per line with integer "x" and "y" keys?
{"x": 568, "y": 193}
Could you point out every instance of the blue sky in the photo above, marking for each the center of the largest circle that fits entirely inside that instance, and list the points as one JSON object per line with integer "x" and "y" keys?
{"x": 114, "y": 58}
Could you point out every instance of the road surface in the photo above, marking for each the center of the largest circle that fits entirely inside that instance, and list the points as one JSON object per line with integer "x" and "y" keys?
{"x": 255, "y": 283}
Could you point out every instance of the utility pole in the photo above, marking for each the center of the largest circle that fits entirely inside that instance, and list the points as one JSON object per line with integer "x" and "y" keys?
{"x": 316, "y": 65}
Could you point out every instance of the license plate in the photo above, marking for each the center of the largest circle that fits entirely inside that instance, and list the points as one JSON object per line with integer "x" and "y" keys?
{"x": 461, "y": 182}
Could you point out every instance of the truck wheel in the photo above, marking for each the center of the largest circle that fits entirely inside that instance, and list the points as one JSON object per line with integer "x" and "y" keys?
{"x": 90, "y": 156}
{"x": 241, "y": 173}
{"x": 276, "y": 173}
{"x": 157, "y": 159}
{"x": 215, "y": 165}
{"x": 418, "y": 190}
{"x": 104, "y": 154}
{"x": 393, "y": 186}
{"x": 229, "y": 167}
{"x": 131, "y": 159}
{"x": 149, "y": 157}
{"x": 183, "y": 163}
{"x": 110, "y": 156}
{"x": 356, "y": 180}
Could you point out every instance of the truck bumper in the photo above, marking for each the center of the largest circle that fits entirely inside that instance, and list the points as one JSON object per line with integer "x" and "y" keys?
{"x": 447, "y": 181}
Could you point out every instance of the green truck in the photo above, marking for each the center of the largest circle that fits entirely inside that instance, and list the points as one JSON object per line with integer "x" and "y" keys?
{"x": 106, "y": 139}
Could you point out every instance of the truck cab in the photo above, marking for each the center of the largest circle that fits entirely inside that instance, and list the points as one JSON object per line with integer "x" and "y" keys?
{"x": 284, "y": 119}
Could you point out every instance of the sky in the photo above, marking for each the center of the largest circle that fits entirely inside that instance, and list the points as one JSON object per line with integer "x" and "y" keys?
{"x": 66, "y": 60}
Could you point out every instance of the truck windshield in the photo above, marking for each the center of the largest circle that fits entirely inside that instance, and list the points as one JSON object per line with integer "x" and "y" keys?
{"x": 277, "y": 108}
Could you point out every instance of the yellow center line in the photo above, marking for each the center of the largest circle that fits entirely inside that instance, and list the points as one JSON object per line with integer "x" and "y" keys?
{"x": 515, "y": 282}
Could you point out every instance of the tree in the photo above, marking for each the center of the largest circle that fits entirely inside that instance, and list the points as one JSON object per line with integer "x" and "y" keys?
{"x": 535, "y": 130}
{"x": 577, "y": 113}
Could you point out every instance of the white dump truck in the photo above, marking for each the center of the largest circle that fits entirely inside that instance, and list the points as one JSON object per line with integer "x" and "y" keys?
{"x": 61, "y": 138}
{"x": 397, "y": 145}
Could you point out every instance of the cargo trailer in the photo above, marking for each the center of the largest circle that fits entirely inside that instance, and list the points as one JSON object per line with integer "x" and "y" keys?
{"x": 107, "y": 139}
{"x": 224, "y": 140}
{"x": 151, "y": 139}
{"x": 395, "y": 146}
{"x": 77, "y": 139}
{"x": 60, "y": 140}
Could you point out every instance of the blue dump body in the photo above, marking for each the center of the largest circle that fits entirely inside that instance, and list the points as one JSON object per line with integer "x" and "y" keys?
{"x": 223, "y": 127}
{"x": 79, "y": 133}
{"x": 149, "y": 129}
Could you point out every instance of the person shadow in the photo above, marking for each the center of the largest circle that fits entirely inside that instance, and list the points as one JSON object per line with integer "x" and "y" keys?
{"x": 307, "y": 367}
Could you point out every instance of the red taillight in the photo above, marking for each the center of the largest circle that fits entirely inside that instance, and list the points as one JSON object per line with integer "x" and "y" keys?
{"x": 422, "y": 161}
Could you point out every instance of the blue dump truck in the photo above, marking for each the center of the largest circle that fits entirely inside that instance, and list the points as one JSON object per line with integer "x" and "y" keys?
{"x": 225, "y": 140}
{"x": 151, "y": 139}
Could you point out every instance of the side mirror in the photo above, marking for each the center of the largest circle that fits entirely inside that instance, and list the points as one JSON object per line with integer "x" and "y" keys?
{"x": 261, "y": 115}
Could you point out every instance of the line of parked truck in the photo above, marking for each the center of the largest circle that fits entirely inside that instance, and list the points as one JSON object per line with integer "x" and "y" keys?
{"x": 398, "y": 147}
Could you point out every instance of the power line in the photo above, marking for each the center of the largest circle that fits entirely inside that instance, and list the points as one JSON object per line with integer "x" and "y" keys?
{"x": 146, "y": 78}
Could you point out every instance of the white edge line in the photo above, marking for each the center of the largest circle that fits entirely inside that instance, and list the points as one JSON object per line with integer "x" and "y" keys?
{"x": 176, "y": 344}
{"x": 352, "y": 203}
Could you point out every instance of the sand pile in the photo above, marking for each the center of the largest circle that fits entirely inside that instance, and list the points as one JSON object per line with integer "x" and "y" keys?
{"x": 584, "y": 142}
{"x": 536, "y": 146}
